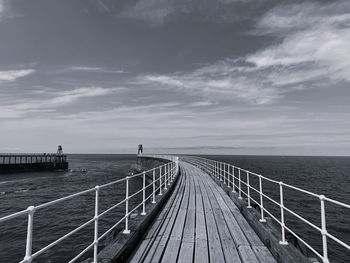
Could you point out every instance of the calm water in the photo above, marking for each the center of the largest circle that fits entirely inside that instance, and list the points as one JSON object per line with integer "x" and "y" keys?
{"x": 326, "y": 175}
{"x": 322, "y": 175}
{"x": 18, "y": 191}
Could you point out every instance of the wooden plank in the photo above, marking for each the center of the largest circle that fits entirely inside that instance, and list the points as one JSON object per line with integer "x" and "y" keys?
{"x": 227, "y": 242}
{"x": 247, "y": 254}
{"x": 187, "y": 243}
{"x": 157, "y": 249}
{"x": 235, "y": 230}
{"x": 174, "y": 242}
{"x": 201, "y": 241}
{"x": 264, "y": 255}
{"x": 157, "y": 224}
{"x": 215, "y": 250}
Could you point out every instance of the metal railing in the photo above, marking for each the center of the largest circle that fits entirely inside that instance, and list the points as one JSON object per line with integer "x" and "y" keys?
{"x": 232, "y": 177}
{"x": 162, "y": 176}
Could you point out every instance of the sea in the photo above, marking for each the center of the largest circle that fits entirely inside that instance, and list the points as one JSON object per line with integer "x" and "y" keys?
{"x": 323, "y": 175}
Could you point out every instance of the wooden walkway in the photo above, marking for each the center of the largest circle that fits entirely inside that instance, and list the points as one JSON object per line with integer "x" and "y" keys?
{"x": 200, "y": 223}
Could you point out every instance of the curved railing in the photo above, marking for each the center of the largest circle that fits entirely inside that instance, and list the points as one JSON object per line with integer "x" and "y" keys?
{"x": 162, "y": 176}
{"x": 232, "y": 177}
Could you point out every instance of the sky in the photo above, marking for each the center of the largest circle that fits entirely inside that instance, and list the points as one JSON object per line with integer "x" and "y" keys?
{"x": 262, "y": 77}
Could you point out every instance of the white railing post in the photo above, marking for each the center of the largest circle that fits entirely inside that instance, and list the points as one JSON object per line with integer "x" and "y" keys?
{"x": 177, "y": 165}
{"x": 220, "y": 167}
{"x": 160, "y": 180}
{"x": 233, "y": 179}
{"x": 224, "y": 172}
{"x": 143, "y": 194}
{"x": 172, "y": 171}
{"x": 165, "y": 177}
{"x": 239, "y": 184}
{"x": 29, "y": 242}
{"x": 97, "y": 189}
{"x": 248, "y": 190}
{"x": 324, "y": 230}
{"x": 262, "y": 219}
{"x": 154, "y": 186}
{"x": 228, "y": 174}
{"x": 283, "y": 230}
{"x": 169, "y": 173}
{"x": 126, "y": 230}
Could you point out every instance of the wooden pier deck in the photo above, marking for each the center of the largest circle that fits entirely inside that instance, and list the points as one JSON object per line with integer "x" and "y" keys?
{"x": 200, "y": 223}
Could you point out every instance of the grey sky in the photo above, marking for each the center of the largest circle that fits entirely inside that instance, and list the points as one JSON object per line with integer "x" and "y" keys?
{"x": 224, "y": 76}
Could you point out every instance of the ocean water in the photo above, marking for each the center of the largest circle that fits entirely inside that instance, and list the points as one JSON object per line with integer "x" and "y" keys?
{"x": 323, "y": 175}
{"x": 18, "y": 191}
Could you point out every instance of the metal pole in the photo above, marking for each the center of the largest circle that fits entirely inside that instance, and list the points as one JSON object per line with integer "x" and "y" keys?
{"x": 262, "y": 219}
{"x": 324, "y": 230}
{"x": 165, "y": 177}
{"x": 169, "y": 173}
{"x": 143, "y": 194}
{"x": 283, "y": 234}
{"x": 97, "y": 189}
{"x": 239, "y": 184}
{"x": 126, "y": 230}
{"x": 248, "y": 190}
{"x": 220, "y": 171}
{"x": 29, "y": 243}
{"x": 160, "y": 180}
{"x": 233, "y": 179}
{"x": 154, "y": 187}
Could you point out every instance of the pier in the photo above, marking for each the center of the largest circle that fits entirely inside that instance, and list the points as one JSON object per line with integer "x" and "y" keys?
{"x": 194, "y": 209}
{"x": 28, "y": 162}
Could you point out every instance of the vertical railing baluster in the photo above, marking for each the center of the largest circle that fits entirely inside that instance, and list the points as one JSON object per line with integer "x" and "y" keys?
{"x": 165, "y": 177}
{"x": 29, "y": 242}
{"x": 160, "y": 180}
{"x": 248, "y": 190}
{"x": 220, "y": 167}
{"x": 126, "y": 230}
{"x": 143, "y": 194}
{"x": 154, "y": 186}
{"x": 97, "y": 189}
{"x": 283, "y": 230}
{"x": 224, "y": 172}
{"x": 169, "y": 173}
{"x": 262, "y": 219}
{"x": 239, "y": 184}
{"x": 233, "y": 179}
{"x": 324, "y": 230}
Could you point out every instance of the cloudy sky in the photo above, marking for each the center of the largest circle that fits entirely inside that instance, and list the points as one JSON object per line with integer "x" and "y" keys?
{"x": 190, "y": 76}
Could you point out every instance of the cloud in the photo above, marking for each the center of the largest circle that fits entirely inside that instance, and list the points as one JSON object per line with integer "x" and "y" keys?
{"x": 315, "y": 38}
{"x": 95, "y": 69}
{"x": 13, "y": 75}
{"x": 51, "y": 101}
{"x": 1, "y": 7}
{"x": 312, "y": 51}
{"x": 159, "y": 11}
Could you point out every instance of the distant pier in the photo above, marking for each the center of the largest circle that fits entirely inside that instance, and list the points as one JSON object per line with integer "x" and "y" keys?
{"x": 28, "y": 162}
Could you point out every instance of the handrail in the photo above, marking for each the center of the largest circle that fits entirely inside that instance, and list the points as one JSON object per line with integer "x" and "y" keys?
{"x": 166, "y": 172}
{"x": 221, "y": 171}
